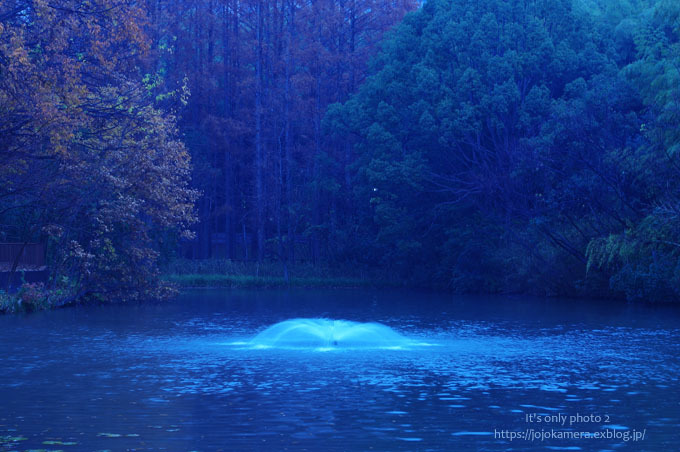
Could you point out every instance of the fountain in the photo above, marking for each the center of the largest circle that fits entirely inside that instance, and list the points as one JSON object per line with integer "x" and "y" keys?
{"x": 326, "y": 333}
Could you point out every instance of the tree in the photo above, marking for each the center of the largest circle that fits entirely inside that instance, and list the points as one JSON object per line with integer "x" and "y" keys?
{"x": 88, "y": 163}
{"x": 493, "y": 135}
{"x": 273, "y": 184}
{"x": 643, "y": 259}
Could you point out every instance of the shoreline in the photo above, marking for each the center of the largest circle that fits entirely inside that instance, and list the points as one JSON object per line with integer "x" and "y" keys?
{"x": 222, "y": 281}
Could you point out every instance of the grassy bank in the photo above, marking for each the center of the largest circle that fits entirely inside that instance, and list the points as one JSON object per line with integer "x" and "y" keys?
{"x": 245, "y": 281}
{"x": 225, "y": 273}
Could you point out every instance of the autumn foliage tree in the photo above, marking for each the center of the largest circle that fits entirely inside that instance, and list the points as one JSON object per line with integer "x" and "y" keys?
{"x": 261, "y": 74}
{"x": 88, "y": 163}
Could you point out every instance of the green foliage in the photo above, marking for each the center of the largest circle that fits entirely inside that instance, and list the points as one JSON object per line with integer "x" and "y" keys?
{"x": 227, "y": 273}
{"x": 244, "y": 282}
{"x": 229, "y": 270}
{"x": 524, "y": 146}
{"x": 497, "y": 146}
{"x": 29, "y": 298}
{"x": 644, "y": 261}
{"x": 644, "y": 258}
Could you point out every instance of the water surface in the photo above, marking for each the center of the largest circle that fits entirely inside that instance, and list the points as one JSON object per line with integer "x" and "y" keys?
{"x": 180, "y": 376}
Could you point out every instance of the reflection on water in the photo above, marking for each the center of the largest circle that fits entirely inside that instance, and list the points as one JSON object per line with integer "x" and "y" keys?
{"x": 185, "y": 375}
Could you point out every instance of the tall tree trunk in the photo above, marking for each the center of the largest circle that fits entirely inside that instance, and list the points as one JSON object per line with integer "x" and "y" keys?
{"x": 288, "y": 136}
{"x": 352, "y": 46}
{"x": 227, "y": 205}
{"x": 278, "y": 210}
{"x": 245, "y": 240}
{"x": 228, "y": 113}
{"x": 316, "y": 215}
{"x": 259, "y": 198}
{"x": 204, "y": 232}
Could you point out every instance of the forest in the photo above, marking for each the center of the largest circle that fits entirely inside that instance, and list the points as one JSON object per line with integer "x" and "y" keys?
{"x": 474, "y": 146}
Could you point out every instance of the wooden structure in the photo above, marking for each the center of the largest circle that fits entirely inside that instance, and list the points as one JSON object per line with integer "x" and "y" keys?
{"x": 29, "y": 254}
{"x": 29, "y": 259}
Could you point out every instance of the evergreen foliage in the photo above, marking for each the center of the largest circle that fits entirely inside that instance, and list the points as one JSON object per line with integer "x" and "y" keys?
{"x": 527, "y": 146}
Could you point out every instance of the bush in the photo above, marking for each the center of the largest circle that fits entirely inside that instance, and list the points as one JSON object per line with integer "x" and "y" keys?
{"x": 29, "y": 298}
{"x": 33, "y": 297}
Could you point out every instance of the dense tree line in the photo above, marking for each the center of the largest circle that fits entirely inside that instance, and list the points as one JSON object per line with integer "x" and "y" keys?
{"x": 104, "y": 103}
{"x": 478, "y": 145}
{"x": 261, "y": 74}
{"x": 525, "y": 146}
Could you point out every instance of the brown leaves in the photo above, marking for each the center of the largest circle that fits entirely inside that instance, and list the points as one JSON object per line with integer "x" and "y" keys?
{"x": 85, "y": 157}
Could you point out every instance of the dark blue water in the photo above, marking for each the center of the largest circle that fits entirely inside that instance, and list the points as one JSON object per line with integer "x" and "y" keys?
{"x": 180, "y": 376}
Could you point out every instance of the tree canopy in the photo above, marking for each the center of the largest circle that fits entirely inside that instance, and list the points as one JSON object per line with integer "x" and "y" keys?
{"x": 89, "y": 164}
{"x": 518, "y": 146}
{"x": 478, "y": 146}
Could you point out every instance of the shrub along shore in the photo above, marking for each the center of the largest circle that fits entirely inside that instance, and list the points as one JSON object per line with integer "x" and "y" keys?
{"x": 207, "y": 273}
{"x": 219, "y": 273}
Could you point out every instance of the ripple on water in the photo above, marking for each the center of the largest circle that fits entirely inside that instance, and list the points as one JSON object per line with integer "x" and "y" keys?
{"x": 477, "y": 371}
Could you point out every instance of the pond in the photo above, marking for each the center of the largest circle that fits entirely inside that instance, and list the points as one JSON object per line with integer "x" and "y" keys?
{"x": 475, "y": 373}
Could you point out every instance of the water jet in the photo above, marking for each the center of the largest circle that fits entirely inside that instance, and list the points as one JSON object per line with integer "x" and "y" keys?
{"x": 328, "y": 333}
